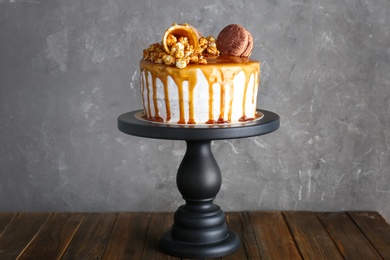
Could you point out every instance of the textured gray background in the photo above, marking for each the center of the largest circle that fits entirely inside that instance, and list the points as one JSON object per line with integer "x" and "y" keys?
{"x": 68, "y": 69}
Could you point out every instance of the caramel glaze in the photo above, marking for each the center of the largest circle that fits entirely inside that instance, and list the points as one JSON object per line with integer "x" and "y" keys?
{"x": 221, "y": 70}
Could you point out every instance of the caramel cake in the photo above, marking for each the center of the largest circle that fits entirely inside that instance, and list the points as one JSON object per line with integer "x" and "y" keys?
{"x": 185, "y": 79}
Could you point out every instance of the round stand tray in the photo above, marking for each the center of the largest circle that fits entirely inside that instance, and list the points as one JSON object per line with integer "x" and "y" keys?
{"x": 130, "y": 123}
{"x": 200, "y": 229}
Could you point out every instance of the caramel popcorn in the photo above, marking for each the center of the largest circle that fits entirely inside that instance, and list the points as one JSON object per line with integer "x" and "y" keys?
{"x": 181, "y": 52}
{"x": 181, "y": 63}
{"x": 169, "y": 60}
{"x": 171, "y": 40}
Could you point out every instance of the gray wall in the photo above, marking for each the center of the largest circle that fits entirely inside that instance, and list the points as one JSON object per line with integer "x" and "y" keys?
{"x": 68, "y": 69}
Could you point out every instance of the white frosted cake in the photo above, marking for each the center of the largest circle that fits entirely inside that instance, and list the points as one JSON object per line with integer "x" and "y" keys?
{"x": 200, "y": 89}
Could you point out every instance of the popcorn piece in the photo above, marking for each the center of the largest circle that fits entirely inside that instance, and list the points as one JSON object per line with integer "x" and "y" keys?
{"x": 154, "y": 53}
{"x": 194, "y": 59}
{"x": 202, "y": 60}
{"x": 169, "y": 60}
{"x": 212, "y": 50}
{"x": 177, "y": 47}
{"x": 181, "y": 63}
{"x": 212, "y": 46}
{"x": 179, "y": 54}
{"x": 211, "y": 39}
{"x": 171, "y": 40}
{"x": 183, "y": 40}
{"x": 203, "y": 41}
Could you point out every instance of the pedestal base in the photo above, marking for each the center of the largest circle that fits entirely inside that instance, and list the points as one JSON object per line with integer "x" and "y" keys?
{"x": 200, "y": 229}
{"x": 188, "y": 250}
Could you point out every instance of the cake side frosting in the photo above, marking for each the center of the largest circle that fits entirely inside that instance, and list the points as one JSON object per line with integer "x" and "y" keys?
{"x": 222, "y": 91}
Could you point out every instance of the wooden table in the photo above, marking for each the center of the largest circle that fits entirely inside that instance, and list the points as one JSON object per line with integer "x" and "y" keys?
{"x": 130, "y": 235}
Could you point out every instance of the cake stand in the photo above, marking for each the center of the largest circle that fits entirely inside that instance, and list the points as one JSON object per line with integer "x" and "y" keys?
{"x": 199, "y": 229}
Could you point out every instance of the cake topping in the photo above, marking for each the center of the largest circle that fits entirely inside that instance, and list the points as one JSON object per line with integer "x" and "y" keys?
{"x": 181, "y": 44}
{"x": 235, "y": 40}
{"x": 183, "y": 34}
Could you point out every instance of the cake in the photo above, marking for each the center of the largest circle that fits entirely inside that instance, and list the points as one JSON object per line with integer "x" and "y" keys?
{"x": 191, "y": 79}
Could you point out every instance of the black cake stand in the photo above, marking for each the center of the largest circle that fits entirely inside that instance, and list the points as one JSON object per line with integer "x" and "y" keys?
{"x": 199, "y": 229}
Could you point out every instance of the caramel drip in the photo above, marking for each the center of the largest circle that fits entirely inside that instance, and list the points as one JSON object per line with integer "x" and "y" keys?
{"x": 225, "y": 77}
{"x": 148, "y": 92}
{"x": 211, "y": 101}
{"x": 166, "y": 96}
{"x": 231, "y": 101}
{"x": 157, "y": 116}
{"x": 179, "y": 79}
{"x": 256, "y": 86}
{"x": 191, "y": 87}
{"x": 221, "y": 70}
{"x": 245, "y": 93}
{"x": 222, "y": 101}
{"x": 215, "y": 75}
{"x": 143, "y": 90}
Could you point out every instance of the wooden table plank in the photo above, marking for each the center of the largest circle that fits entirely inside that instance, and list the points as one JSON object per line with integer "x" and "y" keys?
{"x": 273, "y": 237}
{"x": 159, "y": 224}
{"x": 240, "y": 223}
{"x": 5, "y": 219}
{"x": 269, "y": 235}
{"x": 350, "y": 240}
{"x": 92, "y": 237}
{"x": 18, "y": 234}
{"x": 128, "y": 235}
{"x": 311, "y": 237}
{"x": 376, "y": 229}
{"x": 54, "y": 237}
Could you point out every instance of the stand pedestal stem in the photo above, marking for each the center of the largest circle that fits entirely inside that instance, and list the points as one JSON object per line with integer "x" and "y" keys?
{"x": 199, "y": 228}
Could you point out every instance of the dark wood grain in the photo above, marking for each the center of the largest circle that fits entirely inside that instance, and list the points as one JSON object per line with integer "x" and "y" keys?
{"x": 128, "y": 235}
{"x": 54, "y": 237}
{"x": 351, "y": 242}
{"x": 160, "y": 223}
{"x": 376, "y": 229}
{"x": 5, "y": 219}
{"x": 92, "y": 237}
{"x": 240, "y": 223}
{"x": 310, "y": 236}
{"x": 273, "y": 237}
{"x": 20, "y": 231}
{"x": 132, "y": 235}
